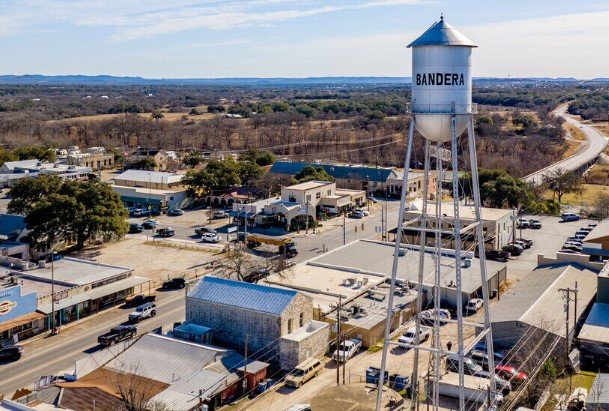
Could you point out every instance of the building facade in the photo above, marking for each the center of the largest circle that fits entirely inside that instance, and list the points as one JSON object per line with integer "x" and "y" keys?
{"x": 238, "y": 312}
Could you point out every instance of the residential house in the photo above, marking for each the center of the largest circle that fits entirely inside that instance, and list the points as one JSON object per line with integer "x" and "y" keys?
{"x": 160, "y": 157}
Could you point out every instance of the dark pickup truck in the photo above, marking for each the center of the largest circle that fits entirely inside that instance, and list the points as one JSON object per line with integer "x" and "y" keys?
{"x": 139, "y": 299}
{"x": 119, "y": 333}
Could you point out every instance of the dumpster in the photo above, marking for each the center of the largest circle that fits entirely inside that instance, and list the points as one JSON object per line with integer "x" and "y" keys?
{"x": 372, "y": 375}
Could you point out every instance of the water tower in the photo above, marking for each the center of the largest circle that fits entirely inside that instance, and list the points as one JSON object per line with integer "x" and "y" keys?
{"x": 441, "y": 111}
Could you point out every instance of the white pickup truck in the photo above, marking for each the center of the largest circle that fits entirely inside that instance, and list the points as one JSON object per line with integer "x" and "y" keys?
{"x": 347, "y": 349}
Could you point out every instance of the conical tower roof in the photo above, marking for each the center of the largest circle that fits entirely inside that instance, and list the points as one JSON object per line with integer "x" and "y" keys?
{"x": 442, "y": 34}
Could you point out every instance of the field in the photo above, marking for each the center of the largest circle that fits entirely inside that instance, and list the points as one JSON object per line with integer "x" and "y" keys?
{"x": 589, "y": 194}
{"x": 166, "y": 116}
{"x": 576, "y": 132}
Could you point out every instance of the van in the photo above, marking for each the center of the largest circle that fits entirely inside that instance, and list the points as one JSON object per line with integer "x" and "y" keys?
{"x": 303, "y": 373}
{"x": 469, "y": 366}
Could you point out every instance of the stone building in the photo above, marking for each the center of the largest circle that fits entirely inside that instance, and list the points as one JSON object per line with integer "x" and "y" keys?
{"x": 238, "y": 311}
{"x": 310, "y": 340}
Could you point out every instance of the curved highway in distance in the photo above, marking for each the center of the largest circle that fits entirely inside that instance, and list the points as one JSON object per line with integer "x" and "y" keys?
{"x": 594, "y": 145}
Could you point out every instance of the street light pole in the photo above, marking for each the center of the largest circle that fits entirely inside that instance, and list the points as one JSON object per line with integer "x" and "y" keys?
{"x": 344, "y": 228}
{"x": 149, "y": 194}
{"x": 52, "y": 292}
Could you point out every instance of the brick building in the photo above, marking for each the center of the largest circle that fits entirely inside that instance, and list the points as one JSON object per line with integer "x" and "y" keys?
{"x": 235, "y": 310}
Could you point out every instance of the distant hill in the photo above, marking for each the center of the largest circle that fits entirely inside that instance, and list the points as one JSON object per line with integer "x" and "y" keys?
{"x": 113, "y": 80}
{"x": 76, "y": 79}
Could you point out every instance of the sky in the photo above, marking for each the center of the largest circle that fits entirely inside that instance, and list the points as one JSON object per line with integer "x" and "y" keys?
{"x": 296, "y": 38}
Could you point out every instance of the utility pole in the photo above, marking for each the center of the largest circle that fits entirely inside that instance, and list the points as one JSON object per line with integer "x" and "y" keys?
{"x": 340, "y": 303}
{"x": 52, "y": 293}
{"x": 344, "y": 227}
{"x": 245, "y": 365}
{"x": 307, "y": 218}
{"x": 567, "y": 296}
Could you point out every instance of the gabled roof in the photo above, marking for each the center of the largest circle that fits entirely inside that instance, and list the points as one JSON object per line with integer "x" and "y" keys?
{"x": 254, "y": 297}
{"x": 164, "y": 359}
{"x": 337, "y": 171}
{"x": 442, "y": 34}
{"x": 12, "y": 165}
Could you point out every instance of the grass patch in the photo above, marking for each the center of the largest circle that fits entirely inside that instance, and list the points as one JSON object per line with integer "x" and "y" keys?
{"x": 573, "y": 146}
{"x": 576, "y": 132}
{"x": 588, "y": 195}
{"x": 376, "y": 347}
{"x": 582, "y": 379}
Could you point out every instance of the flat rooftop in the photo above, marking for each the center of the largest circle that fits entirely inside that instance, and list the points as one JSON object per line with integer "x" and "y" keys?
{"x": 465, "y": 212}
{"x": 324, "y": 285}
{"x": 305, "y": 331}
{"x": 74, "y": 271}
{"x": 374, "y": 305}
{"x": 308, "y": 185}
{"x": 367, "y": 256}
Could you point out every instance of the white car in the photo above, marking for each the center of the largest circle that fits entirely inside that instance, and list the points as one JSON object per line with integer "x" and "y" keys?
{"x": 429, "y": 315}
{"x": 210, "y": 238}
{"x": 410, "y": 336}
{"x": 474, "y": 304}
{"x": 219, "y": 214}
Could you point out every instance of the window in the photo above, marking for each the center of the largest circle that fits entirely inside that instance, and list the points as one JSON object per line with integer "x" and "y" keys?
{"x": 318, "y": 195}
{"x": 289, "y": 325}
{"x": 292, "y": 199}
{"x": 329, "y": 192}
{"x": 301, "y": 319}
{"x": 308, "y": 198}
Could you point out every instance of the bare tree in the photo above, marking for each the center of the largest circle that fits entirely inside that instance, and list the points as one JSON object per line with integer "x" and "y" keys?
{"x": 601, "y": 206}
{"x": 135, "y": 391}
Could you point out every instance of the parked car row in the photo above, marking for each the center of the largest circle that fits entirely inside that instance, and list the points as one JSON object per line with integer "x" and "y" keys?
{"x": 528, "y": 223}
{"x": 574, "y": 244}
{"x": 515, "y": 248}
{"x": 358, "y": 214}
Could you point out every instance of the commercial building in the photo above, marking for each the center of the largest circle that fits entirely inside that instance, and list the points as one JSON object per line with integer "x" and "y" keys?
{"x": 497, "y": 224}
{"x": 13, "y": 171}
{"x": 376, "y": 180}
{"x": 596, "y": 244}
{"x": 18, "y": 316}
{"x": 157, "y": 191}
{"x": 162, "y": 372}
{"x": 81, "y": 287}
{"x": 594, "y": 335}
{"x": 536, "y": 303}
{"x": 373, "y": 257}
{"x": 238, "y": 311}
{"x": 95, "y": 158}
{"x": 312, "y": 198}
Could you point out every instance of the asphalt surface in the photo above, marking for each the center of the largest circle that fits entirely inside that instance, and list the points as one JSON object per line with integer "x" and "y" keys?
{"x": 594, "y": 145}
{"x": 56, "y": 354}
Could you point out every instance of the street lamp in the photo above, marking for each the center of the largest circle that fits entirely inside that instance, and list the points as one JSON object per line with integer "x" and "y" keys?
{"x": 149, "y": 194}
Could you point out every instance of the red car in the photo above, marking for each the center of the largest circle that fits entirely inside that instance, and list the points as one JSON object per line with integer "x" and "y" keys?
{"x": 511, "y": 374}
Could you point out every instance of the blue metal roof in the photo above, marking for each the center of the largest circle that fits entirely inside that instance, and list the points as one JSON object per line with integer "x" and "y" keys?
{"x": 11, "y": 224}
{"x": 343, "y": 172}
{"x": 254, "y": 297}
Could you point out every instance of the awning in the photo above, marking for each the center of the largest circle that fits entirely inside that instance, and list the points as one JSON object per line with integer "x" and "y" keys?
{"x": 65, "y": 303}
{"x": 241, "y": 214}
{"x": 116, "y": 286}
{"x": 22, "y": 320}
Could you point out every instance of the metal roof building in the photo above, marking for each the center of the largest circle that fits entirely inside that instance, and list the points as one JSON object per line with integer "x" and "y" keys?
{"x": 337, "y": 171}
{"x": 374, "y": 257}
{"x": 237, "y": 311}
{"x": 254, "y": 297}
{"x": 537, "y": 302}
{"x": 596, "y": 244}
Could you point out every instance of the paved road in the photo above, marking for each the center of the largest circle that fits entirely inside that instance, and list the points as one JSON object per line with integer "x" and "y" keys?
{"x": 55, "y": 354}
{"x": 594, "y": 145}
